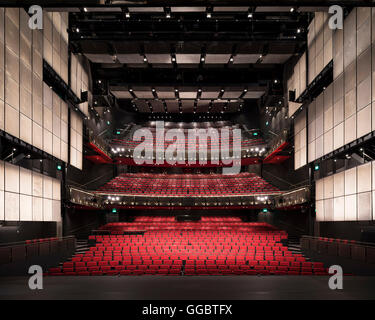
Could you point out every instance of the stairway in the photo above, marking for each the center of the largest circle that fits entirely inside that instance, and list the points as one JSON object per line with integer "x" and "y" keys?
{"x": 81, "y": 246}
{"x": 294, "y": 246}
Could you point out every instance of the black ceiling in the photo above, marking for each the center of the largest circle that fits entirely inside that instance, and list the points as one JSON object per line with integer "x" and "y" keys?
{"x": 168, "y": 46}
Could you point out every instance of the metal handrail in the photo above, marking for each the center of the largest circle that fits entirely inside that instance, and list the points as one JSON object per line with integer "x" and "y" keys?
{"x": 21, "y": 243}
{"x": 371, "y": 244}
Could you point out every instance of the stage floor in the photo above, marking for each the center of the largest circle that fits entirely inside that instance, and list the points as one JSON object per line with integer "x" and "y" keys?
{"x": 194, "y": 287}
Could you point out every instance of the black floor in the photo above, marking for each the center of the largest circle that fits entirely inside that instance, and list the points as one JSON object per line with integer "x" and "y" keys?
{"x": 194, "y": 287}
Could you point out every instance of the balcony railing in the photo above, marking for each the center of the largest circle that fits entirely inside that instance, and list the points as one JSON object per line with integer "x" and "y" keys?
{"x": 293, "y": 197}
{"x": 99, "y": 143}
{"x": 103, "y": 200}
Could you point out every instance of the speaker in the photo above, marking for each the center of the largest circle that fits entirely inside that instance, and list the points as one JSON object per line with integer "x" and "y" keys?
{"x": 84, "y": 96}
{"x": 292, "y": 95}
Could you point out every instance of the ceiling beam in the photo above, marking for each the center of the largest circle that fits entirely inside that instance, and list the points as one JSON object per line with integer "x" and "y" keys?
{"x": 189, "y": 76}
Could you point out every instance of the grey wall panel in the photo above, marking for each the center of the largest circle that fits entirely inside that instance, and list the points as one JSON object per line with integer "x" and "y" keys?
{"x": 364, "y": 206}
{"x": 12, "y": 36}
{"x": 37, "y": 136}
{"x": 26, "y": 205}
{"x": 12, "y": 92}
{"x": 364, "y": 93}
{"x": 350, "y": 129}
{"x": 12, "y": 65}
{"x": 26, "y": 129}
{"x": 12, "y": 121}
{"x": 338, "y": 53}
{"x": 338, "y": 136}
{"x": 26, "y": 181}
{"x": 338, "y": 89}
{"x": 364, "y": 121}
{"x": 311, "y": 151}
{"x": 339, "y": 184}
{"x": 12, "y": 206}
{"x": 350, "y": 38}
{"x": 351, "y": 181}
{"x": 25, "y": 51}
{"x": 351, "y": 208}
{"x": 339, "y": 209}
{"x": 364, "y": 35}
{"x": 328, "y": 209}
{"x": 338, "y": 112}
{"x": 319, "y": 147}
{"x": 364, "y": 177}
{"x": 12, "y": 177}
{"x": 37, "y": 209}
{"x": 364, "y": 66}
{"x": 26, "y": 103}
{"x": 350, "y": 77}
{"x": 350, "y": 103}
{"x": 320, "y": 210}
{"x": 328, "y": 141}
{"x": 328, "y": 119}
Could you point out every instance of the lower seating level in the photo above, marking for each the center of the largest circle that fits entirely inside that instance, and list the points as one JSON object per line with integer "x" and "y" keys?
{"x": 203, "y": 249}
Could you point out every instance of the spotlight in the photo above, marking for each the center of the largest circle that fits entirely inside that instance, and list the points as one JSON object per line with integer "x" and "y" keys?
{"x": 291, "y": 9}
{"x": 127, "y": 15}
{"x": 144, "y": 59}
{"x": 85, "y": 9}
{"x": 298, "y": 30}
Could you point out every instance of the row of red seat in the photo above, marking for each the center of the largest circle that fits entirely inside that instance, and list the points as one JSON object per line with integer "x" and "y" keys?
{"x": 190, "y": 252}
{"x": 337, "y": 240}
{"x": 41, "y": 240}
{"x": 157, "y": 184}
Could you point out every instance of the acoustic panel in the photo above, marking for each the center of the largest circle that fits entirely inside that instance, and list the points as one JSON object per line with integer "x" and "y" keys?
{"x": 364, "y": 206}
{"x": 12, "y": 206}
{"x": 339, "y": 184}
{"x": 26, "y": 205}
{"x": 12, "y": 178}
{"x": 364, "y": 180}
{"x": 339, "y": 209}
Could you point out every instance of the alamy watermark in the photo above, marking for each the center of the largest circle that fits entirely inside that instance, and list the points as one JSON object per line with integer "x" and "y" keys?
{"x": 36, "y": 280}
{"x": 336, "y": 21}
{"x": 220, "y": 147}
{"x": 36, "y": 18}
{"x": 336, "y": 280}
